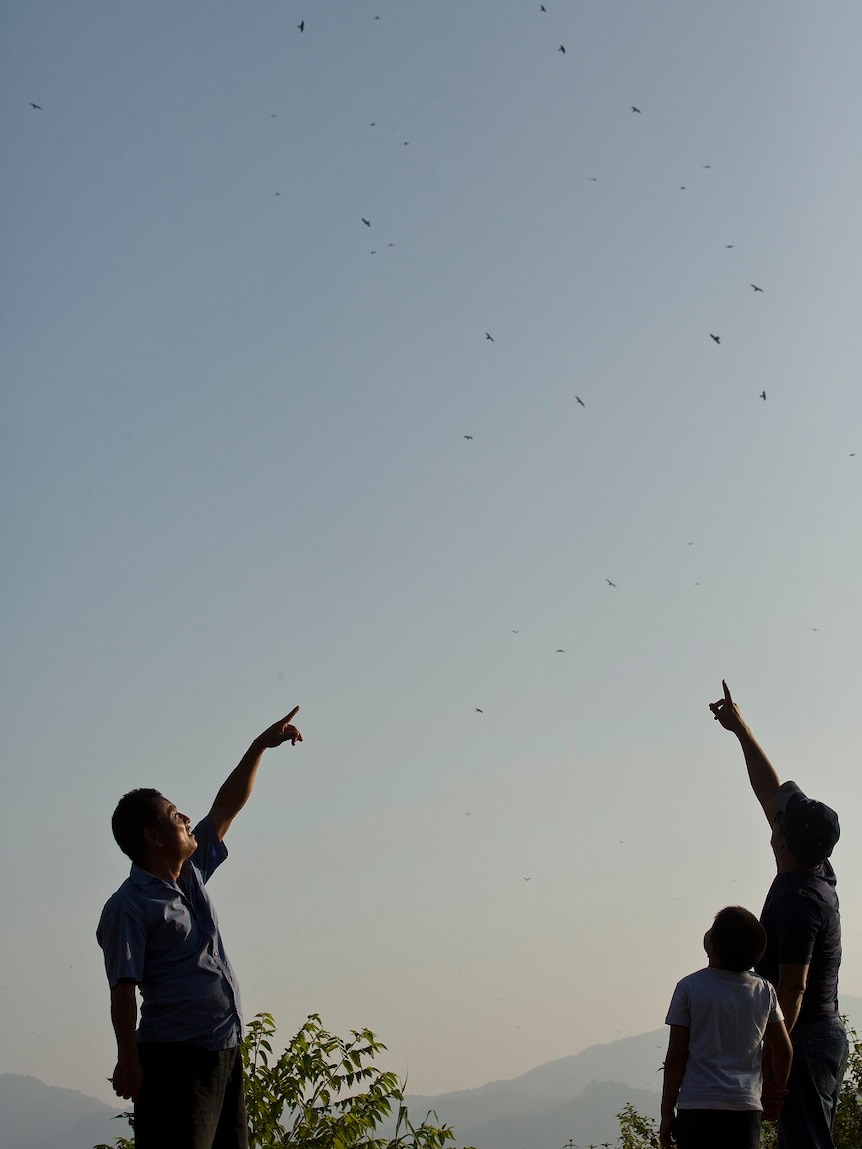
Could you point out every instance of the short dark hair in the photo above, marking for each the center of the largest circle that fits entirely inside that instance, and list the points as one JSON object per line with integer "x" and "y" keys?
{"x": 135, "y": 812}
{"x": 738, "y": 939}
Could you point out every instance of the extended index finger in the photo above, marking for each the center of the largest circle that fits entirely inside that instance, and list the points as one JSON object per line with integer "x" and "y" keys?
{"x": 294, "y": 712}
{"x": 727, "y": 697}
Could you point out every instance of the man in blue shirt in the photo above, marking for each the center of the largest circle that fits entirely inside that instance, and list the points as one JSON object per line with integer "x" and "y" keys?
{"x": 159, "y": 932}
{"x": 803, "y": 941}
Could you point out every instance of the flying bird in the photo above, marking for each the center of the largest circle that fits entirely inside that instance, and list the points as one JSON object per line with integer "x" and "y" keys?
{"x": 580, "y": 400}
{"x": 756, "y": 288}
{"x": 559, "y": 650}
{"x": 367, "y": 222}
{"x": 729, "y": 245}
{"x": 468, "y": 436}
{"x": 717, "y": 338}
{"x": 562, "y": 48}
{"x": 489, "y": 337}
{"x": 613, "y": 584}
{"x": 634, "y": 109}
{"x": 542, "y": 8}
{"x": 301, "y": 25}
{"x": 763, "y": 396}
{"x": 478, "y": 711}
{"x": 38, "y": 107}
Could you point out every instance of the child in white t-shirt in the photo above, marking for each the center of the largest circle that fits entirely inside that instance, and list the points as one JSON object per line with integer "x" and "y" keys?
{"x": 722, "y": 1020}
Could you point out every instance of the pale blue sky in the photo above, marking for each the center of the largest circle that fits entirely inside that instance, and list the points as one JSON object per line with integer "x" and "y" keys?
{"x": 235, "y": 478}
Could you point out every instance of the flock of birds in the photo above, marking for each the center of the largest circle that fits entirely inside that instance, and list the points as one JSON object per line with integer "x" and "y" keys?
{"x": 635, "y": 110}
{"x": 367, "y": 222}
{"x": 489, "y": 337}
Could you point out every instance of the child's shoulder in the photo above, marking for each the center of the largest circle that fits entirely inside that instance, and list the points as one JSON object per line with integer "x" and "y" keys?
{"x": 699, "y": 978}
{"x": 706, "y": 973}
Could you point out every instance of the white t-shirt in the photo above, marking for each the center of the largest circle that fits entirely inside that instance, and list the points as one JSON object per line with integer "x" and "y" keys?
{"x": 726, "y": 1014}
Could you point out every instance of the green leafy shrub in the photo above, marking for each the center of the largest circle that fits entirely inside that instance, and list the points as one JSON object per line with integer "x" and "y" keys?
{"x": 324, "y": 1092}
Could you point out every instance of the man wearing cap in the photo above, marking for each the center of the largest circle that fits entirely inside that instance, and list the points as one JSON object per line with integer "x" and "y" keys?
{"x": 803, "y": 930}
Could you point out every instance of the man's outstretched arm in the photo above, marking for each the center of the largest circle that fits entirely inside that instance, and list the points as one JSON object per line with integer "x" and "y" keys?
{"x": 237, "y": 787}
{"x": 761, "y": 773}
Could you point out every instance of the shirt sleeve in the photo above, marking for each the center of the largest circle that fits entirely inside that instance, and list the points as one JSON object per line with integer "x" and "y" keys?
{"x": 679, "y": 1011}
{"x": 122, "y": 936}
{"x": 798, "y": 925}
{"x": 211, "y": 851}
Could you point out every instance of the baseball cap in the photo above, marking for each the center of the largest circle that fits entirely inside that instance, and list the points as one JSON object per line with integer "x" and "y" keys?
{"x": 810, "y": 827}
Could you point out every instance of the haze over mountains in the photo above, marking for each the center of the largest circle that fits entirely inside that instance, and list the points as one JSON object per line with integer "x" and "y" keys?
{"x": 38, "y": 1116}
{"x": 573, "y": 1098}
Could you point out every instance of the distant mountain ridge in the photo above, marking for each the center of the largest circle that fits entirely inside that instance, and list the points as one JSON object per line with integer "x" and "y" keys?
{"x": 34, "y": 1115}
{"x": 573, "y": 1098}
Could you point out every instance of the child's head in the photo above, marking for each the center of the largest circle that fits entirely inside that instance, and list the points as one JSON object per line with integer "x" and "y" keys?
{"x": 736, "y": 939}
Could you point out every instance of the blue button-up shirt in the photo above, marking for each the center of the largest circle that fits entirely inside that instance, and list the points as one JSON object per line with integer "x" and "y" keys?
{"x": 164, "y": 936}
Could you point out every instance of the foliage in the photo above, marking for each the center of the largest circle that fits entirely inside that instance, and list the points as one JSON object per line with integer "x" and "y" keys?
{"x": 636, "y": 1131}
{"x": 847, "y": 1131}
{"x": 323, "y": 1092}
{"x": 121, "y": 1142}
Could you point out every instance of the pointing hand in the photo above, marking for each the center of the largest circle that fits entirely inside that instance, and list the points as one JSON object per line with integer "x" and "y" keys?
{"x": 726, "y": 711}
{"x": 281, "y": 732}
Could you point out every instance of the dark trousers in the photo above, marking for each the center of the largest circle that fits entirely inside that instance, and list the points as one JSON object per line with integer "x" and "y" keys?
{"x": 191, "y": 1098}
{"x": 718, "y": 1128}
{"x": 820, "y": 1050}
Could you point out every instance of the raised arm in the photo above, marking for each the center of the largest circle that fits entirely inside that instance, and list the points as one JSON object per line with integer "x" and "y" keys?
{"x": 761, "y": 773}
{"x": 237, "y": 787}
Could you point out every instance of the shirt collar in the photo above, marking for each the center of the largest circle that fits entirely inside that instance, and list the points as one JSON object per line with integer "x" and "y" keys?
{"x": 142, "y": 877}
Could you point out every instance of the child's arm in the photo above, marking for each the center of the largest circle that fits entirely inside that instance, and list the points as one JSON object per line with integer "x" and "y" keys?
{"x": 674, "y": 1068}
{"x": 777, "y": 1056}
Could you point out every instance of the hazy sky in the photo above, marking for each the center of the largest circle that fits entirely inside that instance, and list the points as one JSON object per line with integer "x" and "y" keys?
{"x": 236, "y": 477}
